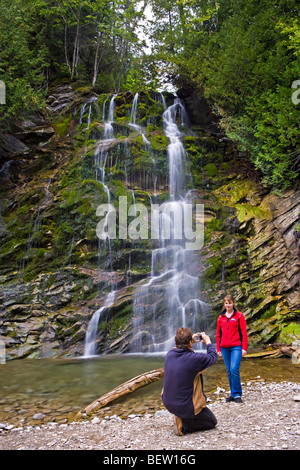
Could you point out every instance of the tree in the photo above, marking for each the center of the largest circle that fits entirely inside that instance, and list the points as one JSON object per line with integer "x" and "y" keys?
{"x": 23, "y": 58}
{"x": 243, "y": 56}
{"x": 89, "y": 37}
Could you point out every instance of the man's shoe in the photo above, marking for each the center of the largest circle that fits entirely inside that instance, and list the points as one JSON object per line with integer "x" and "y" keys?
{"x": 238, "y": 400}
{"x": 177, "y": 426}
{"x": 228, "y": 399}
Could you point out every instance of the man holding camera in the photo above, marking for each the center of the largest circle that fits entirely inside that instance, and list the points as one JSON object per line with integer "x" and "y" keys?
{"x": 183, "y": 383}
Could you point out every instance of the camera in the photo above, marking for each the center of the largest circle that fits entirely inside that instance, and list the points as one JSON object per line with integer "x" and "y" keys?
{"x": 200, "y": 337}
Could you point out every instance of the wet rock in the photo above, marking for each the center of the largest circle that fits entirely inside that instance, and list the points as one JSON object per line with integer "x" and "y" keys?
{"x": 36, "y": 135}
{"x": 11, "y": 146}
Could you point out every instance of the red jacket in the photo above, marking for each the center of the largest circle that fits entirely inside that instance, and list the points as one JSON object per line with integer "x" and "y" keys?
{"x": 231, "y": 331}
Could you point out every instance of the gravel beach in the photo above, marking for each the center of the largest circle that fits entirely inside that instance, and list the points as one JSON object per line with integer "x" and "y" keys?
{"x": 268, "y": 419}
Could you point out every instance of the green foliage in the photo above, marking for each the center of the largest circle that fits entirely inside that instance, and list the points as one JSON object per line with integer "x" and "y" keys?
{"x": 22, "y": 58}
{"x": 253, "y": 63}
{"x": 94, "y": 42}
{"x": 211, "y": 169}
{"x": 243, "y": 56}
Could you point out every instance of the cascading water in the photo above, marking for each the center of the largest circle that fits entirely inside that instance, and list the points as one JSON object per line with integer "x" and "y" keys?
{"x": 172, "y": 290}
{"x": 90, "y": 346}
{"x": 88, "y": 103}
{"x": 100, "y": 161}
{"x": 108, "y": 128}
{"x": 134, "y": 109}
{"x": 170, "y": 297}
{"x": 132, "y": 121}
{"x": 176, "y": 152}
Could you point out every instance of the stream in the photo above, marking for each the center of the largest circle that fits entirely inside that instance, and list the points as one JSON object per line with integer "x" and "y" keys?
{"x": 35, "y": 391}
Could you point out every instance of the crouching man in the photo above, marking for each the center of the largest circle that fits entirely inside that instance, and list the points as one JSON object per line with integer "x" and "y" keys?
{"x": 182, "y": 393}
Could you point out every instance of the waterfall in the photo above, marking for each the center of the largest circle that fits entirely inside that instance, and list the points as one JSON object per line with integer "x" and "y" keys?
{"x": 132, "y": 121}
{"x": 90, "y": 347}
{"x": 176, "y": 152}
{"x": 108, "y": 128}
{"x": 171, "y": 288}
{"x": 134, "y": 109}
{"x": 100, "y": 161}
{"x": 83, "y": 108}
{"x": 172, "y": 291}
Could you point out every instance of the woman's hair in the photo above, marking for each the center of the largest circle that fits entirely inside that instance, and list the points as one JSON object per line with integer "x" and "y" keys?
{"x": 183, "y": 337}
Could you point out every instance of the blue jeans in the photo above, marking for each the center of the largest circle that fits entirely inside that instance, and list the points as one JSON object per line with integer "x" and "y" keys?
{"x": 232, "y": 359}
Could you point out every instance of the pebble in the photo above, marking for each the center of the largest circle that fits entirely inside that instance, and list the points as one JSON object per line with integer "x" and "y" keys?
{"x": 39, "y": 416}
{"x": 96, "y": 420}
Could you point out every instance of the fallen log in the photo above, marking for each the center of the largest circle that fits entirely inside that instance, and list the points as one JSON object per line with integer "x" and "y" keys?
{"x": 290, "y": 351}
{"x": 273, "y": 352}
{"x": 123, "y": 389}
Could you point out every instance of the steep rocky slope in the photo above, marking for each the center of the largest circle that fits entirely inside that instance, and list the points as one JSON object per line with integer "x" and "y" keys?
{"x": 55, "y": 273}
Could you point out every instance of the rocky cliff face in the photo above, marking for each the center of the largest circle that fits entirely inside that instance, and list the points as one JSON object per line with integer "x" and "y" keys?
{"x": 55, "y": 273}
{"x": 269, "y": 276}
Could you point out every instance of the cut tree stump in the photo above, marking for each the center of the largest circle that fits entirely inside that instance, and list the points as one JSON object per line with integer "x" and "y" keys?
{"x": 123, "y": 389}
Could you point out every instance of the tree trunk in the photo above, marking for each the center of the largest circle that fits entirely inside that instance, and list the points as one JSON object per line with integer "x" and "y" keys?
{"x": 96, "y": 64}
{"x": 66, "y": 49}
{"x": 97, "y": 61}
{"x": 76, "y": 47}
{"x": 123, "y": 389}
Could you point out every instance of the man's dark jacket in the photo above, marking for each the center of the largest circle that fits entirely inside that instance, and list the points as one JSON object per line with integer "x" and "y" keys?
{"x": 183, "y": 394}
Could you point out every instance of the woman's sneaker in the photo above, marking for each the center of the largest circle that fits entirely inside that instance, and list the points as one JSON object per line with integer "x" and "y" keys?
{"x": 228, "y": 399}
{"x": 238, "y": 400}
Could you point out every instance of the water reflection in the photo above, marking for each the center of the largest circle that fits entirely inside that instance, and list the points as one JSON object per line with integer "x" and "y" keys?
{"x": 58, "y": 389}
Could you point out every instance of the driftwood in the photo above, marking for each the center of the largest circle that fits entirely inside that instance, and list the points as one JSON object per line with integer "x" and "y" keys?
{"x": 272, "y": 353}
{"x": 281, "y": 350}
{"x": 123, "y": 389}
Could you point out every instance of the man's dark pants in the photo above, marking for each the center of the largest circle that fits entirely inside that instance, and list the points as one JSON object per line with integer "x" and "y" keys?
{"x": 201, "y": 422}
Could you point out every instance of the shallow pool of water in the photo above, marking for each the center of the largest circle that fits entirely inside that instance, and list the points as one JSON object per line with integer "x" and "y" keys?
{"x": 59, "y": 388}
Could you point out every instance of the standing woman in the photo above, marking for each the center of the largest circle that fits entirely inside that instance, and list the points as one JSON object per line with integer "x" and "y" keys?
{"x": 232, "y": 344}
